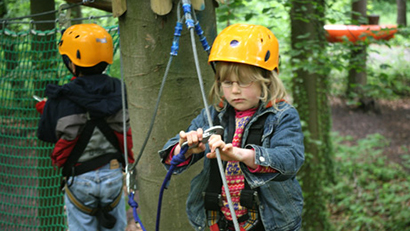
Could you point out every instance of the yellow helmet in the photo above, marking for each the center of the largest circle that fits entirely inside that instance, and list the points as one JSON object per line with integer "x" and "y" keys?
{"x": 87, "y": 45}
{"x": 244, "y": 43}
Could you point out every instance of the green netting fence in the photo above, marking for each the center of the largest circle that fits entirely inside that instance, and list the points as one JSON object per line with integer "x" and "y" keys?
{"x": 30, "y": 195}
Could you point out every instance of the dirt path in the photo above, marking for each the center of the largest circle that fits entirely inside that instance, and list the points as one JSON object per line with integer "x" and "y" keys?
{"x": 393, "y": 122}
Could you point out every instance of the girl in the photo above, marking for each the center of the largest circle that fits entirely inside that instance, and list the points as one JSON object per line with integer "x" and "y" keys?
{"x": 262, "y": 146}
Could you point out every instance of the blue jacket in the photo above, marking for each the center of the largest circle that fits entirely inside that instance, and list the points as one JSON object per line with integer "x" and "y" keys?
{"x": 282, "y": 149}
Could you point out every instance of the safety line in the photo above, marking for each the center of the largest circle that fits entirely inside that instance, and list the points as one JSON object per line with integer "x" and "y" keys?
{"x": 187, "y": 11}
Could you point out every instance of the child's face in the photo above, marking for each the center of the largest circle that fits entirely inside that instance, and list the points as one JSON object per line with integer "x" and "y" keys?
{"x": 241, "y": 98}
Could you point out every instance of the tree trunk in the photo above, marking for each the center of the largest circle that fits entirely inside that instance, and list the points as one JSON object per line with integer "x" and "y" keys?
{"x": 401, "y": 13}
{"x": 357, "y": 77}
{"x": 310, "y": 90}
{"x": 146, "y": 41}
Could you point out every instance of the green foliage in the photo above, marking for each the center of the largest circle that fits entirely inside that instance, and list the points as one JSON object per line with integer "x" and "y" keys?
{"x": 371, "y": 193}
{"x": 388, "y": 72}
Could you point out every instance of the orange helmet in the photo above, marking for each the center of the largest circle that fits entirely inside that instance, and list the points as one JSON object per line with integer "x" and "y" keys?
{"x": 87, "y": 45}
{"x": 250, "y": 44}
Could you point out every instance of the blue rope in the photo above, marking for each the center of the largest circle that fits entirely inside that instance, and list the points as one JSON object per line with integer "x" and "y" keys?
{"x": 174, "y": 163}
{"x": 134, "y": 206}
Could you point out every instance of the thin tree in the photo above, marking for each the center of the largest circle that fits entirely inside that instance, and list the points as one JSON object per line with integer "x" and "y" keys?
{"x": 146, "y": 40}
{"x": 310, "y": 88}
{"x": 401, "y": 13}
{"x": 357, "y": 77}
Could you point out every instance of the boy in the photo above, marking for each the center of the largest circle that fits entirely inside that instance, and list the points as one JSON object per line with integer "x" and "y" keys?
{"x": 84, "y": 120}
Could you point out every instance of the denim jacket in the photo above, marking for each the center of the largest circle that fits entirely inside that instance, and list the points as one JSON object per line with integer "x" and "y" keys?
{"x": 282, "y": 149}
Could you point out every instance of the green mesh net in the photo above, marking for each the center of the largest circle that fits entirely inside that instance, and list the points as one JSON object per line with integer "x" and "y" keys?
{"x": 30, "y": 195}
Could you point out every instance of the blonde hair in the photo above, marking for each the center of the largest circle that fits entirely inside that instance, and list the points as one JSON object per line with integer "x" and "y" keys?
{"x": 271, "y": 86}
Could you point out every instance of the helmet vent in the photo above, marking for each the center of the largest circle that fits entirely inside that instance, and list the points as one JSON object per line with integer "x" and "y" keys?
{"x": 78, "y": 54}
{"x": 77, "y": 36}
{"x": 267, "y": 56}
{"x": 234, "y": 43}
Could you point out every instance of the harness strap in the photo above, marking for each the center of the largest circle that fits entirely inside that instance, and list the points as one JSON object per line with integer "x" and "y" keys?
{"x": 95, "y": 163}
{"x": 101, "y": 213}
{"x": 70, "y": 168}
{"x": 248, "y": 197}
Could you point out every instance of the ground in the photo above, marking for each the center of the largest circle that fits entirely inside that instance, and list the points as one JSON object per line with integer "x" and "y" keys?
{"x": 392, "y": 121}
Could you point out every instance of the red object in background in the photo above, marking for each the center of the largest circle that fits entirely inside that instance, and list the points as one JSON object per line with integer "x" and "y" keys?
{"x": 354, "y": 33}
{"x": 40, "y": 106}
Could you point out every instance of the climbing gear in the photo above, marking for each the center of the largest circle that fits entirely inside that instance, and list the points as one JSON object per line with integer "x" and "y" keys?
{"x": 73, "y": 168}
{"x": 249, "y": 44}
{"x": 86, "y": 45}
{"x": 101, "y": 213}
{"x": 186, "y": 4}
{"x": 134, "y": 206}
{"x": 248, "y": 197}
{"x": 217, "y": 130}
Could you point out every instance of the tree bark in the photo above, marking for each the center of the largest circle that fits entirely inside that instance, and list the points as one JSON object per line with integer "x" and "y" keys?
{"x": 146, "y": 41}
{"x": 104, "y": 5}
{"x": 401, "y": 13}
{"x": 310, "y": 88}
{"x": 357, "y": 77}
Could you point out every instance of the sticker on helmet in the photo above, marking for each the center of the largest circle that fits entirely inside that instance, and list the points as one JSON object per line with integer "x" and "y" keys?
{"x": 103, "y": 40}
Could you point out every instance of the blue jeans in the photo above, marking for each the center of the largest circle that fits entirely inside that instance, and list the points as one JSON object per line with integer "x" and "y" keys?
{"x": 99, "y": 187}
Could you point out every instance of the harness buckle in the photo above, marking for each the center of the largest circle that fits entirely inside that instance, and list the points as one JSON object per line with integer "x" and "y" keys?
{"x": 256, "y": 198}
{"x": 213, "y": 201}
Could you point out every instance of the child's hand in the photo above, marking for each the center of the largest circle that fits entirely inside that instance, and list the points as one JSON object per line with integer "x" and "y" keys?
{"x": 193, "y": 138}
{"x": 226, "y": 150}
{"x": 230, "y": 153}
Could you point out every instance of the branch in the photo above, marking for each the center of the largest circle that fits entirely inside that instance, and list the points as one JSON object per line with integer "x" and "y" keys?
{"x": 100, "y": 4}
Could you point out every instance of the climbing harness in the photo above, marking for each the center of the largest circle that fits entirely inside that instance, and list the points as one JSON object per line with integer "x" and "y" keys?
{"x": 248, "y": 197}
{"x": 101, "y": 213}
{"x": 71, "y": 166}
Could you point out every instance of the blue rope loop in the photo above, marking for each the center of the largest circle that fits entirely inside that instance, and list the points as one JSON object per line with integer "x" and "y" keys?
{"x": 175, "y": 42}
{"x": 174, "y": 162}
{"x": 202, "y": 37}
{"x": 180, "y": 157}
{"x": 134, "y": 206}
